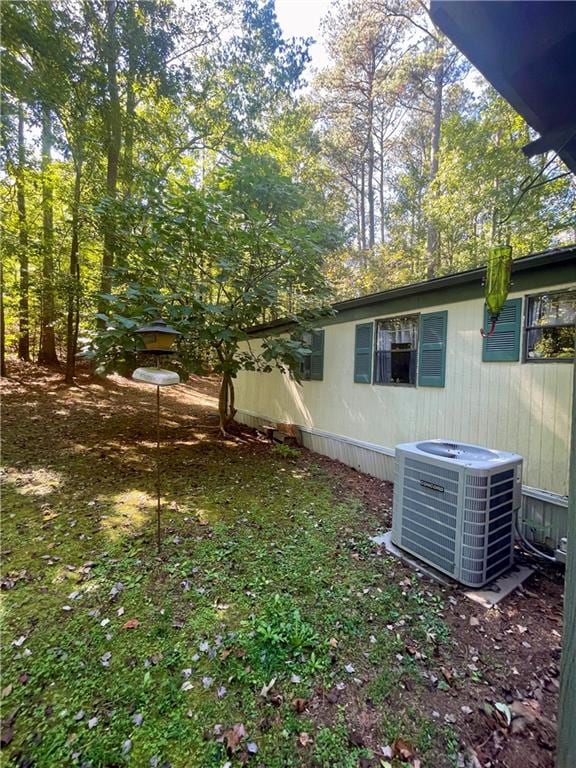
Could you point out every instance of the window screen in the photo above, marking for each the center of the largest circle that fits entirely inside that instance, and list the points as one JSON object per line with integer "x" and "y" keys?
{"x": 396, "y": 350}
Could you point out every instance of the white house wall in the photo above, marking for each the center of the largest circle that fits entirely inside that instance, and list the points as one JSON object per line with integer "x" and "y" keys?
{"x": 519, "y": 407}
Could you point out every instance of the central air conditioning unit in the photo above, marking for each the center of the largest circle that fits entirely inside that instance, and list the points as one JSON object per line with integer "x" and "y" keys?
{"x": 454, "y": 507}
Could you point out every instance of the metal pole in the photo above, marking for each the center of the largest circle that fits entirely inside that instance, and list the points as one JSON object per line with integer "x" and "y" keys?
{"x": 158, "y": 468}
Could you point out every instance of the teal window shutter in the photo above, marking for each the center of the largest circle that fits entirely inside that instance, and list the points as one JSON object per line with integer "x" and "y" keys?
{"x": 432, "y": 349}
{"x": 363, "y": 353}
{"x": 504, "y": 344}
{"x": 317, "y": 356}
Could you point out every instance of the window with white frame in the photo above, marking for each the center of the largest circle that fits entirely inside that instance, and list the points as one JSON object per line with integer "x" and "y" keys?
{"x": 396, "y": 350}
{"x": 550, "y": 326}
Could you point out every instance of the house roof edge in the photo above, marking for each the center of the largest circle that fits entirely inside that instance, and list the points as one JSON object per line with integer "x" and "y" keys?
{"x": 531, "y": 262}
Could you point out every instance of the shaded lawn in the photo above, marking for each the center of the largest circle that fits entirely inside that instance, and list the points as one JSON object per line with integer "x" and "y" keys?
{"x": 270, "y": 631}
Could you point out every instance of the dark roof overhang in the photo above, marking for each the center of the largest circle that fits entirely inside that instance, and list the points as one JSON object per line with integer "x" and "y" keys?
{"x": 527, "y": 51}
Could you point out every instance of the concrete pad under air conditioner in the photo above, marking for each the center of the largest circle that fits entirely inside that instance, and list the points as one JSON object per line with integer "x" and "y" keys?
{"x": 489, "y": 596}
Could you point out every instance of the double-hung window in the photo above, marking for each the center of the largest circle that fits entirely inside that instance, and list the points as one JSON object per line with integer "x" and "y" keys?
{"x": 396, "y": 350}
{"x": 550, "y": 330}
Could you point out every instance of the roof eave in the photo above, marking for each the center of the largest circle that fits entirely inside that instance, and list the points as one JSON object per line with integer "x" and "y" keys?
{"x": 533, "y": 262}
{"x": 522, "y": 50}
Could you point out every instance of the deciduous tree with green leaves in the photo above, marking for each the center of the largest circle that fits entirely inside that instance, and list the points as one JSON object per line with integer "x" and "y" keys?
{"x": 215, "y": 260}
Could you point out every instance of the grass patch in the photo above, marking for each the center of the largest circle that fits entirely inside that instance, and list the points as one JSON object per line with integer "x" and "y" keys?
{"x": 113, "y": 656}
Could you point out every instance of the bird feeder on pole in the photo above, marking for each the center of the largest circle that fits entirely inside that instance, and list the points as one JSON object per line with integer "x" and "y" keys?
{"x": 158, "y": 338}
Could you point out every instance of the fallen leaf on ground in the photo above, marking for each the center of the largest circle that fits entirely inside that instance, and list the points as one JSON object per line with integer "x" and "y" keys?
{"x": 403, "y": 749}
{"x": 6, "y": 732}
{"x": 234, "y": 736}
{"x": 304, "y": 739}
{"x": 131, "y": 624}
{"x": 299, "y": 705}
{"x": 267, "y": 688}
{"x": 504, "y": 710}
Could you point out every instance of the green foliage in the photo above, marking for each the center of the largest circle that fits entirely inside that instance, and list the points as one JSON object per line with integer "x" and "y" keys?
{"x": 481, "y": 177}
{"x": 430, "y": 167}
{"x": 286, "y": 451}
{"x": 332, "y": 748}
{"x": 224, "y": 196}
{"x": 191, "y": 106}
{"x": 215, "y": 260}
{"x": 279, "y": 643}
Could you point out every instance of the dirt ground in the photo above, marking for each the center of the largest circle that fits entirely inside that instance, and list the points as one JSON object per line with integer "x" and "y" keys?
{"x": 498, "y": 681}
{"x": 513, "y": 649}
{"x": 507, "y": 655}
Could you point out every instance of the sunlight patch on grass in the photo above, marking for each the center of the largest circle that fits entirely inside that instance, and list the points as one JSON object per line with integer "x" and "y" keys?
{"x": 130, "y": 510}
{"x": 33, "y": 482}
{"x": 206, "y": 516}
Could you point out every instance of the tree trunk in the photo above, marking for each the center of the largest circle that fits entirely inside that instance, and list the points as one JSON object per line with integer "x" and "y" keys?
{"x": 113, "y": 148}
{"x": 24, "y": 277}
{"x": 226, "y": 409}
{"x": 432, "y": 232}
{"x": 495, "y": 213}
{"x": 128, "y": 151}
{"x": 47, "y": 352}
{"x": 73, "y": 314}
{"x": 2, "y": 328}
{"x": 369, "y": 148}
{"x": 362, "y": 207}
{"x": 381, "y": 184}
{"x": 358, "y": 216}
{"x": 370, "y": 184}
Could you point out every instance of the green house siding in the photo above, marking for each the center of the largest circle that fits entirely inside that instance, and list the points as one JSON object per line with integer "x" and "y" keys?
{"x": 432, "y": 354}
{"x": 504, "y": 344}
{"x": 363, "y": 353}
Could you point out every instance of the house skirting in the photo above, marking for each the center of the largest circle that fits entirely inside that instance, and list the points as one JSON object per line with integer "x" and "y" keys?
{"x": 543, "y": 513}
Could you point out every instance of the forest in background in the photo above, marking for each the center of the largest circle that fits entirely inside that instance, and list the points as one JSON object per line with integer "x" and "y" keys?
{"x": 163, "y": 157}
